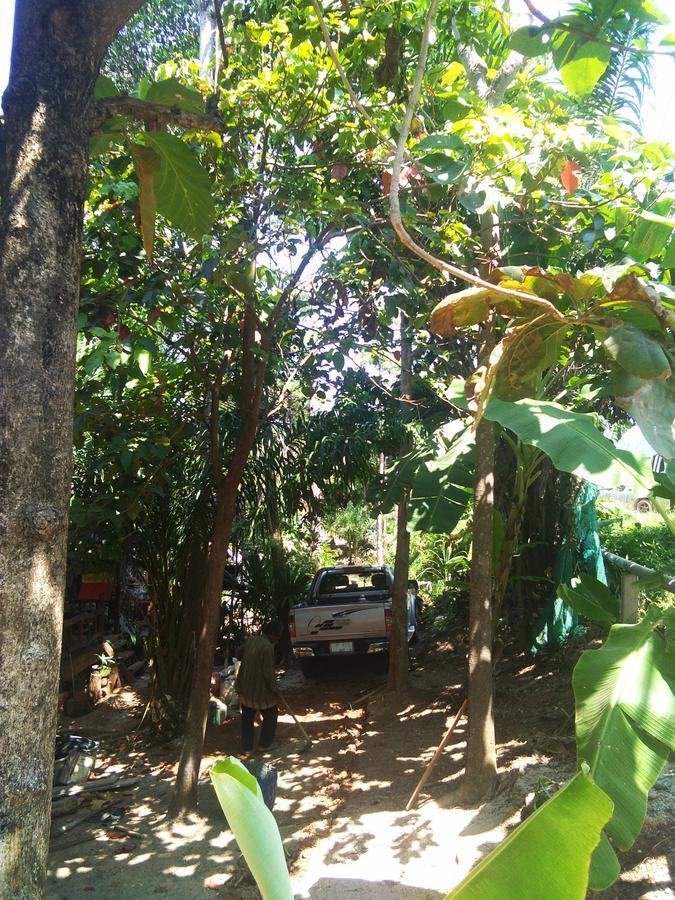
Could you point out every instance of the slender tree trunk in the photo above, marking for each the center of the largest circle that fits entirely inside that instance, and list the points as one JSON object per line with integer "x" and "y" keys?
{"x": 206, "y": 15}
{"x": 397, "y": 679}
{"x": 280, "y": 577}
{"x": 185, "y": 790}
{"x": 184, "y": 797}
{"x": 481, "y": 754}
{"x": 380, "y": 521}
{"x": 56, "y": 53}
{"x": 252, "y": 384}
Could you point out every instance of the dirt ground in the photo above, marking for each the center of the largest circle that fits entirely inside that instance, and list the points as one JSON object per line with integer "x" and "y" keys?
{"x": 341, "y": 805}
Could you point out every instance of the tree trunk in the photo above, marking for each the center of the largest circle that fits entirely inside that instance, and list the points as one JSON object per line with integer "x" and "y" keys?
{"x": 56, "y": 53}
{"x": 397, "y": 679}
{"x": 481, "y": 758}
{"x": 185, "y": 790}
{"x": 380, "y": 521}
{"x": 207, "y": 34}
{"x": 280, "y": 577}
{"x": 184, "y": 797}
{"x": 481, "y": 755}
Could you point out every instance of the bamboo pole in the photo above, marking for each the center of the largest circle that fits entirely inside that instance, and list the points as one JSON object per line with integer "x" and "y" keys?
{"x": 434, "y": 759}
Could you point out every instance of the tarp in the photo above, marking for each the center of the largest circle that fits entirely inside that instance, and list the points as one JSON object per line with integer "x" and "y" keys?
{"x": 558, "y": 620}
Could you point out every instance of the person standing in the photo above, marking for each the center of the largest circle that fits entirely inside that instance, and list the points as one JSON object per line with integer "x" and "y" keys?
{"x": 256, "y": 685}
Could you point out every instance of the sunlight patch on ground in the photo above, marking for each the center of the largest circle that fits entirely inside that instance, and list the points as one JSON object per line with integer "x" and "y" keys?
{"x": 181, "y": 871}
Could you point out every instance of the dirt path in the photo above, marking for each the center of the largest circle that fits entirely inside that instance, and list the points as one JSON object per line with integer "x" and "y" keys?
{"x": 340, "y": 806}
{"x": 192, "y": 860}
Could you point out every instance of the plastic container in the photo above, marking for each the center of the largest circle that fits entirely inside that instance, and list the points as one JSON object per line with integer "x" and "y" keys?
{"x": 74, "y": 758}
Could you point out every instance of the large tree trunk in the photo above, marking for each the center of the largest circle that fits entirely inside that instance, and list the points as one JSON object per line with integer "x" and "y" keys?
{"x": 397, "y": 679}
{"x": 481, "y": 755}
{"x": 56, "y": 53}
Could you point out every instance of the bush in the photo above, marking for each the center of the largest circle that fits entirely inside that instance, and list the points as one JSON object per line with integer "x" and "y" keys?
{"x": 648, "y": 543}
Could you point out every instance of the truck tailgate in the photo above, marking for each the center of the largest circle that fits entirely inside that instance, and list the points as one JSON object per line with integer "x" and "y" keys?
{"x": 339, "y": 622}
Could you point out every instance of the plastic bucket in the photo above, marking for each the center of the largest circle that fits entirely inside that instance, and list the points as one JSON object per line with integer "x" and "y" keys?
{"x": 74, "y": 758}
{"x": 266, "y": 776}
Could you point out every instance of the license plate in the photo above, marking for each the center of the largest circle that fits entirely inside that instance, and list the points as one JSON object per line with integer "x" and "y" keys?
{"x": 342, "y": 647}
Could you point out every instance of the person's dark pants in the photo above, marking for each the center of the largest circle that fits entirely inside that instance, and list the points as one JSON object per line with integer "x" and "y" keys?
{"x": 269, "y": 727}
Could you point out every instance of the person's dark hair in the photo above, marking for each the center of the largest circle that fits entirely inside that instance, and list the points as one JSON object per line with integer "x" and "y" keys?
{"x": 272, "y": 629}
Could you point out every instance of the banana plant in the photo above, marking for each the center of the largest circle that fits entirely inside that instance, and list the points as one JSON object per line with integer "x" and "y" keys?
{"x": 551, "y": 848}
{"x": 253, "y": 826}
{"x": 625, "y": 713}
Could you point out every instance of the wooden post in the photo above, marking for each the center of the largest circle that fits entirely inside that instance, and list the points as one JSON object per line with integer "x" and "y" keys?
{"x": 434, "y": 759}
{"x": 630, "y": 597}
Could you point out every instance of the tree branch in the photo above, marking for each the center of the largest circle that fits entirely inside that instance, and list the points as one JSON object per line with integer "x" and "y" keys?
{"x": 215, "y": 389}
{"x": 395, "y": 212}
{"x": 143, "y": 111}
{"x": 107, "y": 17}
{"x": 221, "y": 31}
{"x": 320, "y": 241}
{"x": 358, "y": 106}
{"x": 589, "y": 36}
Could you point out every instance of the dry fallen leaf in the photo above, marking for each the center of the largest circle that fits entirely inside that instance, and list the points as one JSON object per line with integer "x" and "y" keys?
{"x": 568, "y": 176}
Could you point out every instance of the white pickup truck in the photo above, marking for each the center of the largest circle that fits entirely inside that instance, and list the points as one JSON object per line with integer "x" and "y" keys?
{"x": 348, "y": 612}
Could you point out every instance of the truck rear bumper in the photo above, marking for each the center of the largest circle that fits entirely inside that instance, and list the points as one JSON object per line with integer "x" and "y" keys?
{"x": 313, "y": 649}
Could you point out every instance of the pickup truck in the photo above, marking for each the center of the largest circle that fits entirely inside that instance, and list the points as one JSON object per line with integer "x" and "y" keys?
{"x": 347, "y": 613}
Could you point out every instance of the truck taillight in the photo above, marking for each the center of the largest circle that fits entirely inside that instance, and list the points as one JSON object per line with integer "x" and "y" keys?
{"x": 387, "y": 620}
{"x": 291, "y": 624}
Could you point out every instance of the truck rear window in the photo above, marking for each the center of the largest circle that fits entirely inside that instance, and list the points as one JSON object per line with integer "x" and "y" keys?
{"x": 336, "y": 584}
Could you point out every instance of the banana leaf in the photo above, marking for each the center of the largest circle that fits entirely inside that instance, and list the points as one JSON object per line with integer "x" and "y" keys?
{"x": 548, "y": 855}
{"x": 572, "y": 440}
{"x": 625, "y": 726}
{"x": 254, "y": 827}
{"x": 591, "y": 598}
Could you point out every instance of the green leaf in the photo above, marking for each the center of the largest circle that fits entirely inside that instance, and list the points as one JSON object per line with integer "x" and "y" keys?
{"x": 440, "y": 142}
{"x": 182, "y": 185}
{"x": 105, "y": 87}
{"x": 592, "y": 599}
{"x": 143, "y": 360}
{"x": 583, "y": 68}
{"x": 399, "y": 478}
{"x": 572, "y": 441}
{"x": 254, "y": 827}
{"x": 625, "y": 719}
{"x": 447, "y": 172}
{"x": 552, "y": 847}
{"x": 528, "y": 41}
{"x": 101, "y": 143}
{"x": 651, "y": 404}
{"x": 172, "y": 93}
{"x": 651, "y": 235}
{"x": 636, "y": 352}
{"x": 441, "y": 488}
{"x": 669, "y": 255}
{"x": 146, "y": 163}
{"x": 605, "y": 866}
{"x": 456, "y": 395}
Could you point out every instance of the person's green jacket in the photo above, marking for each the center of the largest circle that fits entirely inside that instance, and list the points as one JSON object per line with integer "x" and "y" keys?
{"x": 256, "y": 683}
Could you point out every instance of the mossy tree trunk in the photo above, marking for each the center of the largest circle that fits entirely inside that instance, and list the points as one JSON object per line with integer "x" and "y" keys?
{"x": 56, "y": 53}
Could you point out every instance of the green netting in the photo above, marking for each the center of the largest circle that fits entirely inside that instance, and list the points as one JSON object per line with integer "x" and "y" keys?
{"x": 558, "y": 620}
